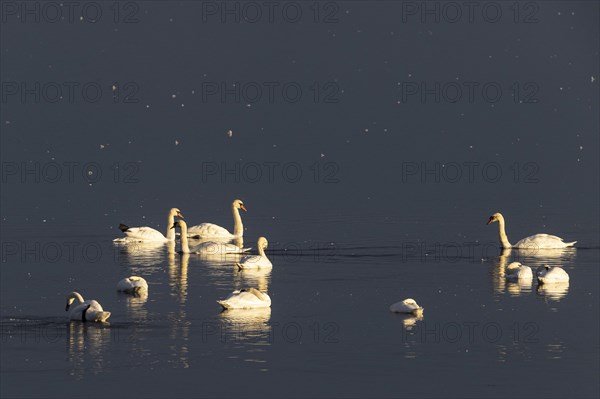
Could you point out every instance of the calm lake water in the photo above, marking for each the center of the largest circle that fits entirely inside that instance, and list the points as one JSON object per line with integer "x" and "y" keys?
{"x": 370, "y": 142}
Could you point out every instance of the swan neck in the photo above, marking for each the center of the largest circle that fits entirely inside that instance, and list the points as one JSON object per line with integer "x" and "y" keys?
{"x": 238, "y": 227}
{"x": 502, "y": 234}
{"x": 170, "y": 232}
{"x": 261, "y": 251}
{"x": 77, "y": 296}
{"x": 184, "y": 240}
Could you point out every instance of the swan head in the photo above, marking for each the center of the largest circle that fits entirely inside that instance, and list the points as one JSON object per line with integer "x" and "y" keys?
{"x": 71, "y": 298}
{"x": 410, "y": 302}
{"x": 175, "y": 212}
{"x": 514, "y": 265}
{"x": 239, "y": 204}
{"x": 179, "y": 223}
{"x": 494, "y": 218}
{"x": 262, "y": 243}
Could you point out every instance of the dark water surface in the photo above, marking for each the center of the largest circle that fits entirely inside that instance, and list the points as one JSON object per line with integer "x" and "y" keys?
{"x": 370, "y": 187}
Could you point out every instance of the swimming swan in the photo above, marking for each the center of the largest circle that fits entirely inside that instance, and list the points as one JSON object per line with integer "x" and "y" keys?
{"x": 148, "y": 233}
{"x": 132, "y": 285}
{"x": 516, "y": 271}
{"x": 89, "y": 310}
{"x": 206, "y": 248}
{"x": 537, "y": 241}
{"x": 210, "y": 230}
{"x": 248, "y": 298}
{"x": 408, "y": 305}
{"x": 552, "y": 275}
{"x": 259, "y": 261}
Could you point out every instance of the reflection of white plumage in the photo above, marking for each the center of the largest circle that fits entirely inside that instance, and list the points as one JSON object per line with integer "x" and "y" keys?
{"x": 133, "y": 234}
{"x": 259, "y": 261}
{"x": 552, "y": 275}
{"x": 206, "y": 248}
{"x": 89, "y": 310}
{"x": 210, "y": 230}
{"x": 408, "y": 305}
{"x": 246, "y": 299}
{"x": 537, "y": 241}
{"x": 132, "y": 285}
{"x": 516, "y": 271}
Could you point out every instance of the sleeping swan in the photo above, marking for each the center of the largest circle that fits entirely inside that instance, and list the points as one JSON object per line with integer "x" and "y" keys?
{"x": 409, "y": 306}
{"x": 210, "y": 230}
{"x": 134, "y": 234}
{"x": 552, "y": 275}
{"x": 206, "y": 248}
{"x": 248, "y": 298}
{"x": 259, "y": 261}
{"x": 537, "y": 241}
{"x": 89, "y": 310}
{"x": 132, "y": 285}
{"x": 516, "y": 271}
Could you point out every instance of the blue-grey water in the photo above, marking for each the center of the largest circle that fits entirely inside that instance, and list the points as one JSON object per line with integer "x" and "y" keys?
{"x": 371, "y": 179}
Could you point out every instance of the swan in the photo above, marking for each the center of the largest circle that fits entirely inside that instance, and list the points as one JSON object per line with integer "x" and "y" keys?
{"x": 247, "y": 298}
{"x": 537, "y": 241}
{"x": 408, "y": 305}
{"x": 89, "y": 310}
{"x": 206, "y": 248}
{"x": 259, "y": 261}
{"x": 516, "y": 271}
{"x": 210, "y": 230}
{"x": 552, "y": 275}
{"x": 148, "y": 233}
{"x": 132, "y": 285}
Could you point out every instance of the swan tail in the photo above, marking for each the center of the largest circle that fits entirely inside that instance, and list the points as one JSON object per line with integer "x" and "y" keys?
{"x": 224, "y": 304}
{"x": 570, "y": 244}
{"x": 246, "y": 249}
{"x": 123, "y": 227}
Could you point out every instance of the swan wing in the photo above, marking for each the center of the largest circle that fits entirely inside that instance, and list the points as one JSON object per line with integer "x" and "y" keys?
{"x": 144, "y": 234}
{"x": 542, "y": 241}
{"x": 245, "y": 300}
{"x": 205, "y": 230}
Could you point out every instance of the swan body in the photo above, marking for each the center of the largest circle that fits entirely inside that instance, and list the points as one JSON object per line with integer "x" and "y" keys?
{"x": 552, "y": 275}
{"x": 408, "y": 306}
{"x": 89, "y": 310}
{"x": 133, "y": 234}
{"x": 132, "y": 285}
{"x": 248, "y": 298}
{"x": 259, "y": 261}
{"x": 516, "y": 271}
{"x": 210, "y": 230}
{"x": 537, "y": 241}
{"x": 208, "y": 247}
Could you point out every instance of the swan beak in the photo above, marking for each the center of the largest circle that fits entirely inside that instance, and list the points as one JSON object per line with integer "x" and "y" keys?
{"x": 180, "y": 215}
{"x": 67, "y": 308}
{"x": 174, "y": 225}
{"x": 490, "y": 221}
{"x": 242, "y": 207}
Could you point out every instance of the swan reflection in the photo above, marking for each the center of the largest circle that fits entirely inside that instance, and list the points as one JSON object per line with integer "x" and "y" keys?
{"x": 553, "y": 291}
{"x": 243, "y": 325}
{"x": 142, "y": 253}
{"x": 180, "y": 326}
{"x": 86, "y": 344}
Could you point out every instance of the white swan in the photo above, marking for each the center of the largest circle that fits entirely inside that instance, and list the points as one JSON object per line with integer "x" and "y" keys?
{"x": 259, "y": 261}
{"x": 206, "y": 248}
{"x": 132, "y": 285}
{"x": 248, "y": 298}
{"x": 210, "y": 230}
{"x": 408, "y": 305}
{"x": 133, "y": 234}
{"x": 89, "y": 310}
{"x": 537, "y": 241}
{"x": 516, "y": 271}
{"x": 552, "y": 275}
